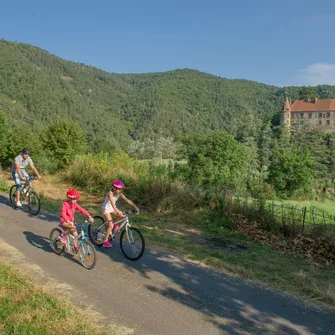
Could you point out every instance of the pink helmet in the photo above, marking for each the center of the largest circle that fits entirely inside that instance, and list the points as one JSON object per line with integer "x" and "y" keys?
{"x": 118, "y": 184}
{"x": 73, "y": 194}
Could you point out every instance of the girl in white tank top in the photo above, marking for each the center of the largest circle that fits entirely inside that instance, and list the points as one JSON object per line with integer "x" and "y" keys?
{"x": 109, "y": 208}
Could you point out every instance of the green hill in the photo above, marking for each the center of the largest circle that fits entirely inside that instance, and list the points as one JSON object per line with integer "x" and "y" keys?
{"x": 36, "y": 87}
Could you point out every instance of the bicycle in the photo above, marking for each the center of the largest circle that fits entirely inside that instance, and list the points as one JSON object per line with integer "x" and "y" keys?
{"x": 132, "y": 242}
{"x": 86, "y": 250}
{"x": 34, "y": 202}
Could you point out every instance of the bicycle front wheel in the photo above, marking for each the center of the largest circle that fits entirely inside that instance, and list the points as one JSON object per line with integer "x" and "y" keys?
{"x": 55, "y": 243}
{"x": 132, "y": 243}
{"x": 97, "y": 230}
{"x": 87, "y": 255}
{"x": 12, "y": 195}
{"x": 34, "y": 203}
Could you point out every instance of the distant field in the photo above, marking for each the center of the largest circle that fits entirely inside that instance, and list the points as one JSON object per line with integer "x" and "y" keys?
{"x": 327, "y": 206}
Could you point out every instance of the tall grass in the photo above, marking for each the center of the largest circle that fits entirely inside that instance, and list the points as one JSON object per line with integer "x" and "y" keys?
{"x": 147, "y": 184}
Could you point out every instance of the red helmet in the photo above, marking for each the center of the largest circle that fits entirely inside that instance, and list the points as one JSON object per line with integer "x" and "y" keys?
{"x": 73, "y": 194}
{"x": 118, "y": 184}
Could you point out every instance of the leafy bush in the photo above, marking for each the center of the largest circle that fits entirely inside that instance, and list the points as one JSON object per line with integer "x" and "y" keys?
{"x": 147, "y": 184}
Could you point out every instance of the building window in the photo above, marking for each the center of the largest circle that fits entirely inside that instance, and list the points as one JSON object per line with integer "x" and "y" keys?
{"x": 320, "y": 114}
{"x": 328, "y": 122}
{"x": 309, "y": 115}
{"x": 320, "y": 121}
{"x": 328, "y": 115}
{"x": 301, "y": 115}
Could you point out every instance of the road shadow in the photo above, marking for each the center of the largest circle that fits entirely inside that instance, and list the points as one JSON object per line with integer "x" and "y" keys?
{"x": 5, "y": 200}
{"x": 231, "y": 304}
{"x": 38, "y": 241}
{"x": 43, "y": 243}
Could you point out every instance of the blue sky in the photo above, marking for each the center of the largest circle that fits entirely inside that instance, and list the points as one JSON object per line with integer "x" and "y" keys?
{"x": 275, "y": 42}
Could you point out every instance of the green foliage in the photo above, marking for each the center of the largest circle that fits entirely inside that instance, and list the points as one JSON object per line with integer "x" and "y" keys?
{"x": 292, "y": 169}
{"x": 37, "y": 87}
{"x": 147, "y": 184}
{"x": 63, "y": 140}
{"x": 3, "y": 138}
{"x": 308, "y": 93}
{"x": 159, "y": 149}
{"x": 217, "y": 159}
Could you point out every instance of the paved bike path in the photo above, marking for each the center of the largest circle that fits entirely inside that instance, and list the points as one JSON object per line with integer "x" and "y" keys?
{"x": 162, "y": 294}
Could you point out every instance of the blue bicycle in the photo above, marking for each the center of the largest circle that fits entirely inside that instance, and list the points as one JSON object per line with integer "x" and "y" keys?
{"x": 86, "y": 250}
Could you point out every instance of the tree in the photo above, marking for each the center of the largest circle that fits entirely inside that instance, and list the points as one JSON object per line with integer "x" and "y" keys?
{"x": 63, "y": 140}
{"x": 292, "y": 169}
{"x": 4, "y": 130}
{"x": 308, "y": 93}
{"x": 217, "y": 159}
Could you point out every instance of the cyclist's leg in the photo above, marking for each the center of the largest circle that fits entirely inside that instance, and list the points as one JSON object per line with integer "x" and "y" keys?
{"x": 68, "y": 228}
{"x": 17, "y": 180}
{"x": 108, "y": 218}
{"x": 26, "y": 175}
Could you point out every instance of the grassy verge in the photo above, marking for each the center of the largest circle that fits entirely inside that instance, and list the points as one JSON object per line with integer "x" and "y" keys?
{"x": 26, "y": 309}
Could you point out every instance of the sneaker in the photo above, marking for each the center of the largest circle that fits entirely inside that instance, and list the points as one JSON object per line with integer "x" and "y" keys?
{"x": 62, "y": 238}
{"x": 107, "y": 244}
{"x": 18, "y": 204}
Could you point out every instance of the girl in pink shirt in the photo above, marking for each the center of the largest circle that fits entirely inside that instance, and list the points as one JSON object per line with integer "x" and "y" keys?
{"x": 69, "y": 207}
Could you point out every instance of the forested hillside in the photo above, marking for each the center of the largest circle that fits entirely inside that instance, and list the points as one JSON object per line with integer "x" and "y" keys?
{"x": 114, "y": 109}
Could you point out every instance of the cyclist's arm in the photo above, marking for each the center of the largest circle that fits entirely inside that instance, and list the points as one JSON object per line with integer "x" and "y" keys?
{"x": 35, "y": 170}
{"x": 129, "y": 202}
{"x": 84, "y": 212}
{"x": 18, "y": 169}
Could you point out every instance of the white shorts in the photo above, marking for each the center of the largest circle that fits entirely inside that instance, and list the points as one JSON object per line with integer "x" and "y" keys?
{"x": 107, "y": 209}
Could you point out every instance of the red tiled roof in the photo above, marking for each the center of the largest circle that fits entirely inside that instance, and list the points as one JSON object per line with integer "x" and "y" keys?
{"x": 313, "y": 105}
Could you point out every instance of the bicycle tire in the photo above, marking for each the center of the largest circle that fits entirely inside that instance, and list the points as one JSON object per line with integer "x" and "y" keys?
{"x": 93, "y": 229}
{"x": 56, "y": 245}
{"x": 123, "y": 243}
{"x": 90, "y": 252}
{"x": 33, "y": 194}
{"x": 12, "y": 194}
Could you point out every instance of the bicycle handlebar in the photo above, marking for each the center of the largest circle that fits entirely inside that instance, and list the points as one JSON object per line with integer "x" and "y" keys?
{"x": 131, "y": 212}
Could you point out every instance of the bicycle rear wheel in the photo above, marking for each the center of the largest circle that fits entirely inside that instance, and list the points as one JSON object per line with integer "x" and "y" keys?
{"x": 34, "y": 203}
{"x": 97, "y": 230}
{"x": 55, "y": 243}
{"x": 132, "y": 243}
{"x": 87, "y": 255}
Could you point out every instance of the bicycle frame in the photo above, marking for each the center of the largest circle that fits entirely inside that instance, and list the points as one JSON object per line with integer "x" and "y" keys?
{"x": 81, "y": 236}
{"x": 124, "y": 222}
{"x": 28, "y": 186}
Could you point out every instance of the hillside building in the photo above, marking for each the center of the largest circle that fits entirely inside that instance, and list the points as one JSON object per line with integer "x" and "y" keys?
{"x": 311, "y": 113}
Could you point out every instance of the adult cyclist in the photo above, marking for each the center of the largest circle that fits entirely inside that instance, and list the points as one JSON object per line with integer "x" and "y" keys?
{"x": 19, "y": 172}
